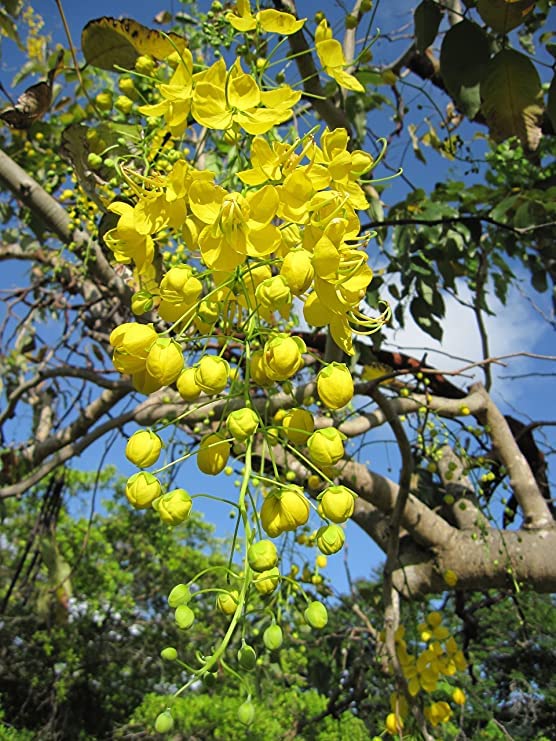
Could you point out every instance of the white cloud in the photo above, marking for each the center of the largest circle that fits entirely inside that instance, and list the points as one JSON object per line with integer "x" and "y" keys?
{"x": 513, "y": 328}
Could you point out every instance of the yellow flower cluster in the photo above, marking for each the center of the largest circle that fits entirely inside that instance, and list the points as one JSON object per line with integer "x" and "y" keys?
{"x": 441, "y": 657}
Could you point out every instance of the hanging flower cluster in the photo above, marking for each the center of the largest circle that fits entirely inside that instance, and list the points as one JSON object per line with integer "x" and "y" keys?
{"x": 226, "y": 265}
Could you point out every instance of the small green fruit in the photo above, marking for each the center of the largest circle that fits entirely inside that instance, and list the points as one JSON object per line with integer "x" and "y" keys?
{"x": 180, "y": 595}
{"x": 184, "y": 616}
{"x": 164, "y": 722}
{"x": 246, "y": 713}
{"x": 169, "y": 653}
{"x": 316, "y": 615}
{"x": 247, "y": 657}
{"x": 273, "y": 637}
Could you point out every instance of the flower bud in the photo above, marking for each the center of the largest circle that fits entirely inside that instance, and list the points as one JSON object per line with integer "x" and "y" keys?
{"x": 180, "y": 595}
{"x": 337, "y": 503}
{"x": 123, "y": 104}
{"x": 213, "y": 454}
{"x": 297, "y": 269}
{"x": 242, "y": 423}
{"x": 143, "y": 448}
{"x": 257, "y": 369}
{"x": 145, "y": 64}
{"x": 174, "y": 506}
{"x": 164, "y": 722}
{"x": 144, "y": 383}
{"x": 330, "y": 539}
{"x": 227, "y": 602}
{"x": 273, "y": 293}
{"x": 326, "y": 447}
{"x": 335, "y": 385}
{"x": 187, "y": 386}
{"x": 283, "y": 510}
{"x": 180, "y": 286}
{"x": 142, "y": 489}
{"x": 165, "y": 361}
{"x": 458, "y": 696}
{"x": 184, "y": 616}
{"x": 246, "y": 713}
{"x": 169, "y": 653}
{"x": 316, "y": 615}
{"x": 283, "y": 357}
{"x": 131, "y": 343}
{"x": 262, "y": 555}
{"x": 246, "y": 656}
{"x": 298, "y": 424}
{"x": 212, "y": 374}
{"x": 394, "y": 724}
{"x": 267, "y": 581}
{"x": 273, "y": 637}
{"x": 141, "y": 302}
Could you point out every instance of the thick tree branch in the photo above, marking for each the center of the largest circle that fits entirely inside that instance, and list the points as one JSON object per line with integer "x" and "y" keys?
{"x": 536, "y": 512}
{"x": 32, "y": 195}
{"x": 482, "y": 560}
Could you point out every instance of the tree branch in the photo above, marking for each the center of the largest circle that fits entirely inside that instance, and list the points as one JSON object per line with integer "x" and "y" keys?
{"x": 536, "y": 512}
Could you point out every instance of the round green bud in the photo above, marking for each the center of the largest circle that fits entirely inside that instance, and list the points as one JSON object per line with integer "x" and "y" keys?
{"x": 184, "y": 617}
{"x": 209, "y": 680}
{"x": 316, "y": 615}
{"x": 247, "y": 657}
{"x": 180, "y": 595}
{"x": 164, "y": 722}
{"x": 94, "y": 160}
{"x": 169, "y": 653}
{"x": 273, "y": 637}
{"x": 262, "y": 555}
{"x": 246, "y": 713}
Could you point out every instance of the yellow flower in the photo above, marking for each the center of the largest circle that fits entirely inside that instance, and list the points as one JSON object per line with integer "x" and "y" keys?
{"x": 331, "y": 56}
{"x": 271, "y": 21}
{"x": 211, "y": 374}
{"x": 267, "y": 581}
{"x": 450, "y": 578}
{"x": 326, "y": 447}
{"x": 394, "y": 724}
{"x": 258, "y": 370}
{"x": 131, "y": 342}
{"x": 242, "y": 423}
{"x": 143, "y": 448}
{"x": 236, "y": 226}
{"x": 335, "y": 385}
{"x": 187, "y": 387}
{"x": 222, "y": 99}
{"x": 330, "y": 539}
{"x": 213, "y": 454}
{"x": 176, "y": 96}
{"x": 337, "y": 503}
{"x": 179, "y": 286}
{"x": 298, "y": 424}
{"x": 165, "y": 361}
{"x": 438, "y": 712}
{"x": 284, "y": 510}
{"x": 283, "y": 356}
{"x": 142, "y": 489}
{"x": 297, "y": 270}
{"x": 174, "y": 506}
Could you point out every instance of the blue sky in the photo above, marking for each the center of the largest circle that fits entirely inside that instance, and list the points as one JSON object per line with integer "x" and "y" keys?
{"x": 514, "y": 328}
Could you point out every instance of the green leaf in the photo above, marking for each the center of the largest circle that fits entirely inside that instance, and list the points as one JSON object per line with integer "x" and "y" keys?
{"x": 551, "y": 103}
{"x": 422, "y": 315}
{"x": 464, "y": 55}
{"x": 504, "y": 15}
{"x": 427, "y": 19}
{"x": 512, "y": 98}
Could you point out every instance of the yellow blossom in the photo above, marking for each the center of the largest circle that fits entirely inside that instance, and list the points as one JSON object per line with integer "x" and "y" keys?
{"x": 331, "y": 56}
